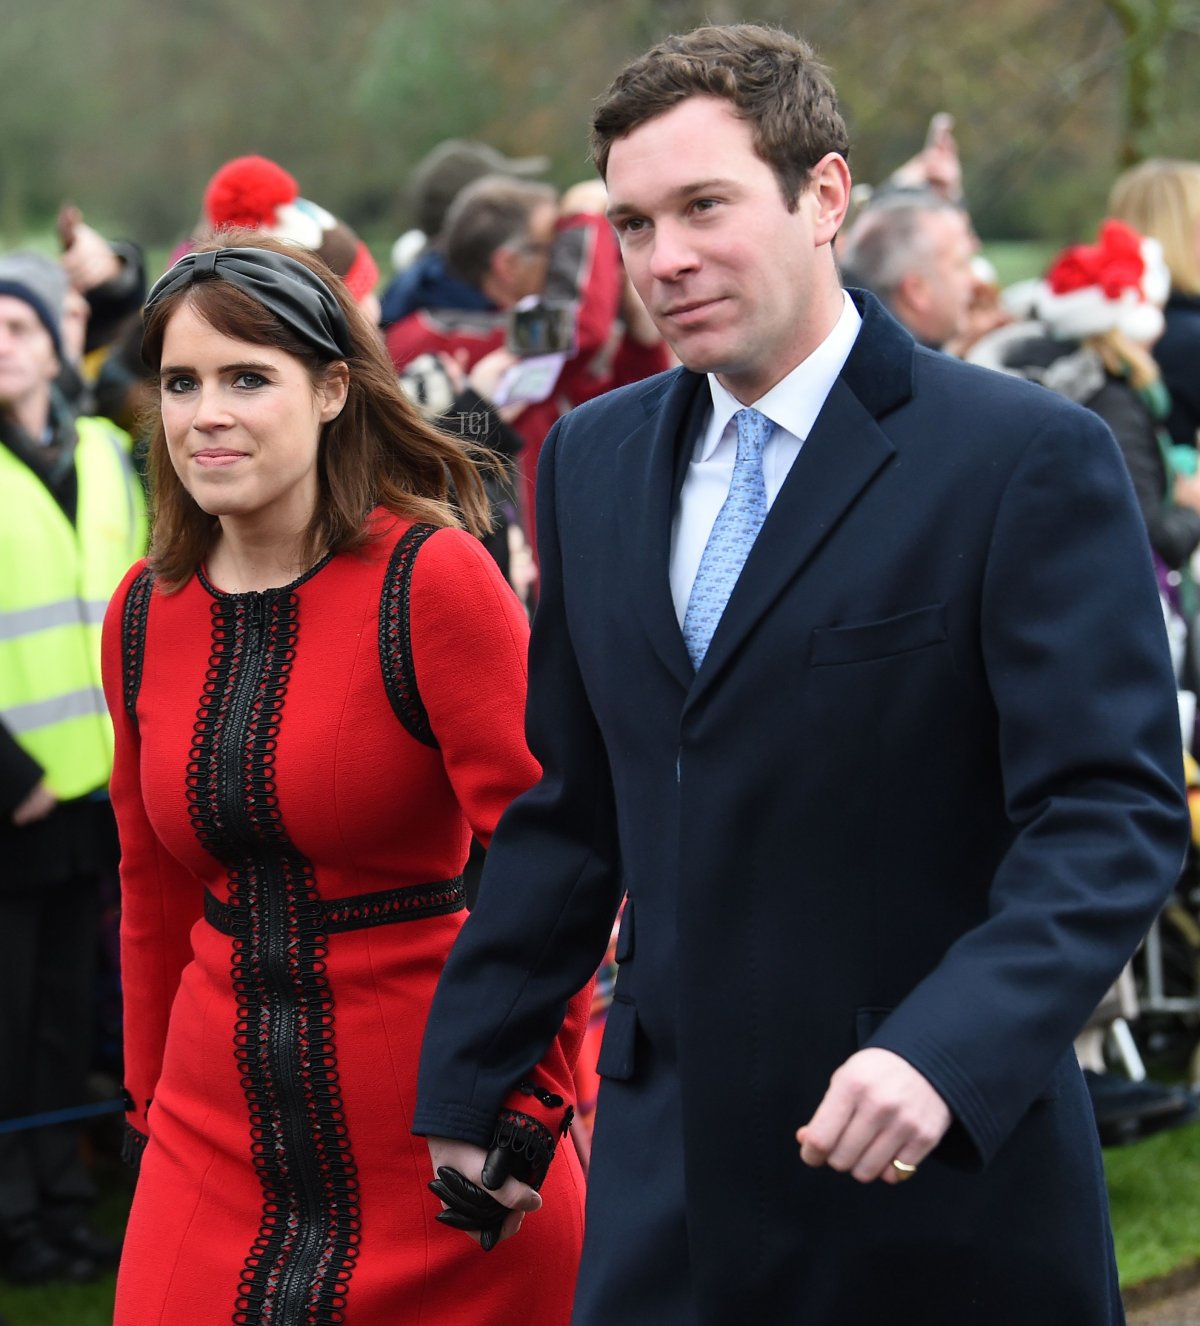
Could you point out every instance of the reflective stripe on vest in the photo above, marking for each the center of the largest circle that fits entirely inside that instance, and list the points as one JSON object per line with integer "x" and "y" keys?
{"x": 55, "y": 581}
{"x": 69, "y": 612}
{"x": 45, "y": 713}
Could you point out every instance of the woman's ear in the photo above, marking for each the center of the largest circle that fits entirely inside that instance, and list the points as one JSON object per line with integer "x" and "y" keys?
{"x": 333, "y": 390}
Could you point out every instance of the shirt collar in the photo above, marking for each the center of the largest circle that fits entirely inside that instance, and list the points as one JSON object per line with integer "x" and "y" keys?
{"x": 794, "y": 402}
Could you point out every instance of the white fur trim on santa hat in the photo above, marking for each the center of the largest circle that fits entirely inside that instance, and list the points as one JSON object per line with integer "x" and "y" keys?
{"x": 1088, "y": 312}
{"x": 303, "y": 222}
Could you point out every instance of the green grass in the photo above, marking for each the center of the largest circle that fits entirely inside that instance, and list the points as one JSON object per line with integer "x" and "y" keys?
{"x": 1154, "y": 1194}
{"x": 1154, "y": 1191}
{"x": 76, "y": 1305}
{"x": 1020, "y": 259}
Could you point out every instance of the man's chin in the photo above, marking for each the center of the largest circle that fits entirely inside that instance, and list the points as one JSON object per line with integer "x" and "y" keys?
{"x": 693, "y": 354}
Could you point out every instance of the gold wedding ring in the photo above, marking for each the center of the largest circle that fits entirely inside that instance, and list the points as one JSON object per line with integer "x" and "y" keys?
{"x": 904, "y": 1170}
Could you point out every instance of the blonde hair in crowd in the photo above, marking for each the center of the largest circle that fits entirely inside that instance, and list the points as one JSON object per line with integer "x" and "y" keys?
{"x": 1161, "y": 198}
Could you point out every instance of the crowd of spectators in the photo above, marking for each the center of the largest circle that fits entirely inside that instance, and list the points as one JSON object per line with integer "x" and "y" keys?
{"x": 507, "y": 306}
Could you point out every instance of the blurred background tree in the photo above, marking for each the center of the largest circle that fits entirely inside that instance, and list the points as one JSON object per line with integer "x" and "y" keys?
{"x": 127, "y": 107}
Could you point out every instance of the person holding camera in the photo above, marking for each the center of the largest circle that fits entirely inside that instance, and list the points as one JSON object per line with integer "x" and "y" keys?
{"x": 562, "y": 316}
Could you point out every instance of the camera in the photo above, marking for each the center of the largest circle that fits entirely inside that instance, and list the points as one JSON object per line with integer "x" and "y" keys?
{"x": 541, "y": 327}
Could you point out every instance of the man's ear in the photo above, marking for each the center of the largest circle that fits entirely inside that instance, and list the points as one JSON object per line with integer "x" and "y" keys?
{"x": 912, "y": 292}
{"x": 829, "y": 187}
{"x": 501, "y": 273}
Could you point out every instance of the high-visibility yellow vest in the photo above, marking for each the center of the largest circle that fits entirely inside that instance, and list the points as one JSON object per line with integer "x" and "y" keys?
{"x": 55, "y": 582}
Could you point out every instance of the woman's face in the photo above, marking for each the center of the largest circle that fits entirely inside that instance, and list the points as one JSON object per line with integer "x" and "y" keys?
{"x": 243, "y": 423}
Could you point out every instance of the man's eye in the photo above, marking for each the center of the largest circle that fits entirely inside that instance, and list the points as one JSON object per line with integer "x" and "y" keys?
{"x": 631, "y": 225}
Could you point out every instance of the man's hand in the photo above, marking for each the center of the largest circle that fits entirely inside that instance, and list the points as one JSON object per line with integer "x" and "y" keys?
{"x": 36, "y": 806}
{"x": 468, "y": 1161}
{"x": 485, "y": 378}
{"x": 877, "y": 1109}
{"x": 89, "y": 259}
{"x": 1186, "y": 491}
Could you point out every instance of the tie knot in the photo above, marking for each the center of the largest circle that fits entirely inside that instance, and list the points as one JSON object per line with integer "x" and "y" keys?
{"x": 753, "y": 429}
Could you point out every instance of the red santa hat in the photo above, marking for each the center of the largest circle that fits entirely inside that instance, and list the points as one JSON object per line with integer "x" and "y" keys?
{"x": 257, "y": 194}
{"x": 1119, "y": 283}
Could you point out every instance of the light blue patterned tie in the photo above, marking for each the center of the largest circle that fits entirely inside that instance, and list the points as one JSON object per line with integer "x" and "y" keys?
{"x": 733, "y": 535}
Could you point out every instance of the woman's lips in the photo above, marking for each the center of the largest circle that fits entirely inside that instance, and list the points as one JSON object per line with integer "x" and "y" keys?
{"x": 216, "y": 459}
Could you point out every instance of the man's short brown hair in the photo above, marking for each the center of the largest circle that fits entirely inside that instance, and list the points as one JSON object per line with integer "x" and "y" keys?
{"x": 492, "y": 213}
{"x": 772, "y": 80}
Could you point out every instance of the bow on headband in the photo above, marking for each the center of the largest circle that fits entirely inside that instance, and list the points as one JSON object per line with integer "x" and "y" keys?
{"x": 1115, "y": 263}
{"x": 295, "y": 295}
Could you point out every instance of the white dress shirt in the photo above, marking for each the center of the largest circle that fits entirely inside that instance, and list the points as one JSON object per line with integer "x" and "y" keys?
{"x": 792, "y": 405}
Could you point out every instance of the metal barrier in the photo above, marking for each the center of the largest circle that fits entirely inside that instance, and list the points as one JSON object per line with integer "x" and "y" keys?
{"x": 31, "y": 1121}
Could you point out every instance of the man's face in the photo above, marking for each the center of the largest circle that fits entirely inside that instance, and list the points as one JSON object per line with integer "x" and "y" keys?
{"x": 947, "y": 280}
{"x": 28, "y": 364}
{"x": 733, "y": 280}
{"x": 531, "y": 257}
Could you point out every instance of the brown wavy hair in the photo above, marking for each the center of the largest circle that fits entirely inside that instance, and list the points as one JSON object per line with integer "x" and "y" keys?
{"x": 770, "y": 78}
{"x": 377, "y": 452}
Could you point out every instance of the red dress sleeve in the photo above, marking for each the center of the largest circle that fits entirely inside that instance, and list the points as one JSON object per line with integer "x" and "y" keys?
{"x": 160, "y": 900}
{"x": 469, "y": 643}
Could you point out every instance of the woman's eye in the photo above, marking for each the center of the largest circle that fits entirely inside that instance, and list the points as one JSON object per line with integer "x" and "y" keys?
{"x": 249, "y": 380}
{"x": 177, "y": 385}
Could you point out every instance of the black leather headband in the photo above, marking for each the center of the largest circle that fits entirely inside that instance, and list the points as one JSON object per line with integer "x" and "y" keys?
{"x": 296, "y": 296}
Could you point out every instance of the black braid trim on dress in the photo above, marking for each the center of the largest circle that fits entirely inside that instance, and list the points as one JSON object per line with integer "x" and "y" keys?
{"x": 133, "y": 638}
{"x": 412, "y": 902}
{"x": 395, "y": 636}
{"x": 299, "y": 1266}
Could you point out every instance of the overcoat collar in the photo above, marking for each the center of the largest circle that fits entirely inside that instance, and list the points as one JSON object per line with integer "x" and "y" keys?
{"x": 841, "y": 455}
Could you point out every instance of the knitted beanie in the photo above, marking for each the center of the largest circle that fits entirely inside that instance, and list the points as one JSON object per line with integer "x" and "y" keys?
{"x": 257, "y": 194}
{"x": 42, "y": 284}
{"x": 442, "y": 174}
{"x": 1119, "y": 283}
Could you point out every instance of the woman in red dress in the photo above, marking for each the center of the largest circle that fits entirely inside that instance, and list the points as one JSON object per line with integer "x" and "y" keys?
{"x": 317, "y": 681}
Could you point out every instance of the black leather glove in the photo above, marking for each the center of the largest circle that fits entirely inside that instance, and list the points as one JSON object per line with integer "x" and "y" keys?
{"x": 503, "y": 1162}
{"x": 469, "y": 1207}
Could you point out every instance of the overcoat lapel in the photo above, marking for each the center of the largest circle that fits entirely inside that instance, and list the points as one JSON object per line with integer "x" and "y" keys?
{"x": 650, "y": 463}
{"x": 845, "y": 450}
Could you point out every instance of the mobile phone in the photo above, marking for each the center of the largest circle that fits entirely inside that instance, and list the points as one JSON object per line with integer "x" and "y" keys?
{"x": 941, "y": 125}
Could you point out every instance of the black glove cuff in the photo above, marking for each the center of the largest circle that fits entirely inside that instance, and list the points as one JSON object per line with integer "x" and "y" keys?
{"x": 526, "y": 1144}
{"x": 133, "y": 1144}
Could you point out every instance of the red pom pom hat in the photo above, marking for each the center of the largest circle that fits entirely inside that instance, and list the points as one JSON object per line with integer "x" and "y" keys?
{"x": 1119, "y": 283}
{"x": 256, "y": 193}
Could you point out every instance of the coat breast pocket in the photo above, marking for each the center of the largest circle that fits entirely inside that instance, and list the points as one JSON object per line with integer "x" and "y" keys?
{"x": 866, "y": 641}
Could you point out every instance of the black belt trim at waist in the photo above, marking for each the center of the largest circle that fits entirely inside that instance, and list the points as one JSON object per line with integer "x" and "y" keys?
{"x": 414, "y": 902}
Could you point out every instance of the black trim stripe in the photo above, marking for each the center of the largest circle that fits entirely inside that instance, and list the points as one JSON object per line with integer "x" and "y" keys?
{"x": 395, "y": 636}
{"x": 414, "y": 902}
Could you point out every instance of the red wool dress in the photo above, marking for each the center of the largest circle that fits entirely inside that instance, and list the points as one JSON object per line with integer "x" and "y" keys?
{"x": 298, "y": 773}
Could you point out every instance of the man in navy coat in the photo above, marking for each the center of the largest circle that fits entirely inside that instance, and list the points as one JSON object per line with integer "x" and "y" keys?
{"x": 893, "y": 800}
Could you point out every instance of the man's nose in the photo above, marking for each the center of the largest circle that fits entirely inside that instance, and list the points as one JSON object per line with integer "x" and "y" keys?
{"x": 674, "y": 252}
